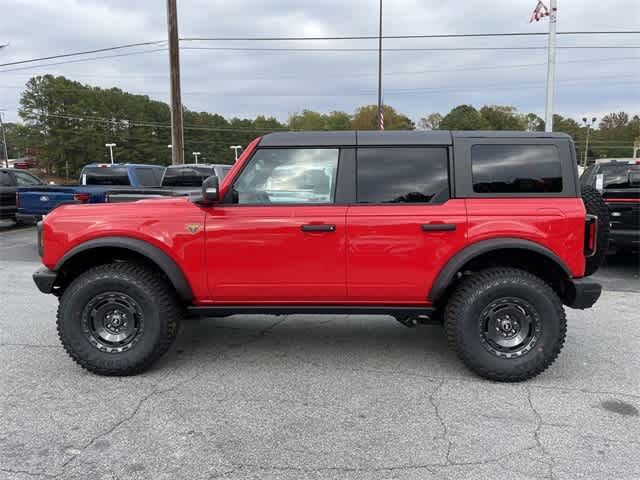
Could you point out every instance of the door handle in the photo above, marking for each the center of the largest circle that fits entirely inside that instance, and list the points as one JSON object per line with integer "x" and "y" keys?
{"x": 323, "y": 227}
{"x": 438, "y": 227}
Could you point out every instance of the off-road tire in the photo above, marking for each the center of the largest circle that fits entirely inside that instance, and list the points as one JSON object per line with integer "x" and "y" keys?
{"x": 463, "y": 323}
{"x": 595, "y": 205}
{"x": 161, "y": 314}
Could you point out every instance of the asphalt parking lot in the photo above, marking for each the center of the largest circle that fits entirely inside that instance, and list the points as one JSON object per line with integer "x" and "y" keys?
{"x": 315, "y": 397}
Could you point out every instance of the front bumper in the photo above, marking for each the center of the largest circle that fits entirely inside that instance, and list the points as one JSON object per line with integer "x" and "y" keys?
{"x": 625, "y": 238}
{"x": 45, "y": 279}
{"x": 582, "y": 293}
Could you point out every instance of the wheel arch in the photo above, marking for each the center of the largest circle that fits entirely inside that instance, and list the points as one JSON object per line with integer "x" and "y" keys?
{"x": 502, "y": 251}
{"x": 109, "y": 249}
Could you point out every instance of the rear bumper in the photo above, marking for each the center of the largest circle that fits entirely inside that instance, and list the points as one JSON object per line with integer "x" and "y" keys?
{"x": 45, "y": 279}
{"x": 28, "y": 218}
{"x": 582, "y": 293}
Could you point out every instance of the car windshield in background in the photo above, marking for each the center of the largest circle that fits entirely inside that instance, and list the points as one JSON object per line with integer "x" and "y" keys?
{"x": 186, "y": 176}
{"x": 618, "y": 176}
{"x": 105, "y": 176}
{"x": 223, "y": 172}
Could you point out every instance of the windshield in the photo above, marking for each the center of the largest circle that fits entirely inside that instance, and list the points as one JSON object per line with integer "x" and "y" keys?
{"x": 104, "y": 176}
{"x": 186, "y": 176}
{"x": 619, "y": 176}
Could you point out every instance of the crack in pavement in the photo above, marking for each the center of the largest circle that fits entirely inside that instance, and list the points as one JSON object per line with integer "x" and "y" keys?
{"x": 29, "y": 473}
{"x": 536, "y": 435}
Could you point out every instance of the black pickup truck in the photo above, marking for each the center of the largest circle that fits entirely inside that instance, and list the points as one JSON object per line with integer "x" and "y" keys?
{"x": 177, "y": 180}
{"x": 10, "y": 180}
{"x": 619, "y": 183}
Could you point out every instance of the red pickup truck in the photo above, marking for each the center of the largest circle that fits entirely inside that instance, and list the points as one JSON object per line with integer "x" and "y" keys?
{"x": 486, "y": 232}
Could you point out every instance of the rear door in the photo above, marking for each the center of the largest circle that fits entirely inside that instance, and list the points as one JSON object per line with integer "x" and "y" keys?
{"x": 279, "y": 236}
{"x": 403, "y": 225}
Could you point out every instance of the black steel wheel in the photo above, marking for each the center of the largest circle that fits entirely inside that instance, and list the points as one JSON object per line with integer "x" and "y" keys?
{"x": 505, "y": 324}
{"x": 118, "y": 318}
{"x": 113, "y": 322}
{"x": 509, "y": 327}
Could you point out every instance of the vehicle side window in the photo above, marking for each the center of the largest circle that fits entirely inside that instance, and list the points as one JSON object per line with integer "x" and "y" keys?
{"x": 402, "y": 174}
{"x": 147, "y": 177}
{"x": 24, "y": 179}
{"x": 288, "y": 176}
{"x": 5, "y": 180}
{"x": 516, "y": 168}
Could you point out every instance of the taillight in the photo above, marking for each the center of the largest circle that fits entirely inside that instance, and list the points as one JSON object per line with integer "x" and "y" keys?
{"x": 590, "y": 235}
{"x": 81, "y": 197}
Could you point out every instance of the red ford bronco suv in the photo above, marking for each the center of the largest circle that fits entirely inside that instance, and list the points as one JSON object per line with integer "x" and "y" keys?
{"x": 486, "y": 232}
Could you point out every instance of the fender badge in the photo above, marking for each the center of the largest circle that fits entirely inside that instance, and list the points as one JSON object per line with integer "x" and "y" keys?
{"x": 193, "y": 227}
{"x": 44, "y": 198}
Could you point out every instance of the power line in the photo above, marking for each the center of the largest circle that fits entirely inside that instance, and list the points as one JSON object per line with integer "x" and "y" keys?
{"x": 346, "y": 37}
{"x": 362, "y": 74}
{"x": 403, "y": 37}
{"x": 404, "y": 49}
{"x": 128, "y": 54}
{"x": 84, "y": 52}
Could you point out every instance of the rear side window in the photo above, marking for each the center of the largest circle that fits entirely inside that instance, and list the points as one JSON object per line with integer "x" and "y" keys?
{"x": 402, "y": 175}
{"x": 187, "y": 176}
{"x": 516, "y": 169}
{"x": 148, "y": 177}
{"x": 24, "y": 179}
{"x": 105, "y": 176}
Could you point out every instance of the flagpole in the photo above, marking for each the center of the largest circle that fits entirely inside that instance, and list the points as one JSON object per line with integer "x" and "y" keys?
{"x": 551, "y": 65}
{"x": 380, "y": 68}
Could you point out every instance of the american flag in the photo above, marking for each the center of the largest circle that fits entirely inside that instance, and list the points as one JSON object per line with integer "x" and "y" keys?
{"x": 381, "y": 117}
{"x": 539, "y": 12}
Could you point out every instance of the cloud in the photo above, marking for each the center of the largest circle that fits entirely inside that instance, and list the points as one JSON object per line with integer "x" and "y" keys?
{"x": 248, "y": 83}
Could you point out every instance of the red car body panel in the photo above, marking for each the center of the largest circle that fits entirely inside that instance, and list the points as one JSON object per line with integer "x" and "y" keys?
{"x": 390, "y": 258}
{"x": 147, "y": 220}
{"x": 557, "y": 224}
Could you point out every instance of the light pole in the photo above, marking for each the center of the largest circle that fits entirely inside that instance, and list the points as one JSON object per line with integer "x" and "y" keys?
{"x": 196, "y": 154}
{"x": 110, "y": 147}
{"x": 586, "y": 143}
{"x": 235, "y": 148}
{"x": 4, "y": 143}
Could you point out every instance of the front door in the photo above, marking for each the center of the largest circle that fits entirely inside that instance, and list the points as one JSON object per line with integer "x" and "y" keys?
{"x": 403, "y": 227}
{"x": 278, "y": 236}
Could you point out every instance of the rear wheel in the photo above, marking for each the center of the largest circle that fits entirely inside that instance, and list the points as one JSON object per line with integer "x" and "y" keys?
{"x": 117, "y": 319}
{"x": 595, "y": 205}
{"x": 505, "y": 324}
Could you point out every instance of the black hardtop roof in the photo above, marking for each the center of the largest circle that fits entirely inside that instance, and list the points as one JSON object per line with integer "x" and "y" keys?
{"x": 389, "y": 137}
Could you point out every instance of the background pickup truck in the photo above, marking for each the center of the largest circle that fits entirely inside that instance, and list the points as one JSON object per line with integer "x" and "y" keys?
{"x": 95, "y": 181}
{"x": 619, "y": 183}
{"x": 10, "y": 180}
{"x": 177, "y": 180}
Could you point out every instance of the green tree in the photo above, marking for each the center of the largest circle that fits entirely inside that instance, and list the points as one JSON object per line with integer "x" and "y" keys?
{"x": 464, "y": 117}
{"x": 366, "y": 118}
{"x": 337, "y": 121}
{"x": 307, "y": 120}
{"x": 503, "y": 117}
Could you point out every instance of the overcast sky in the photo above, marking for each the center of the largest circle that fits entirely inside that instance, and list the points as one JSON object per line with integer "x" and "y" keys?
{"x": 248, "y": 83}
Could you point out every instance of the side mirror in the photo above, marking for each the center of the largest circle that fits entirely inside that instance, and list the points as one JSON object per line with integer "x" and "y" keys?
{"x": 210, "y": 189}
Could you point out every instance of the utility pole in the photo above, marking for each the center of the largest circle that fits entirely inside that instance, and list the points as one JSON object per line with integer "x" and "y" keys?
{"x": 110, "y": 147}
{"x": 177, "y": 138}
{"x": 196, "y": 154}
{"x": 551, "y": 65}
{"x": 586, "y": 143}
{"x": 380, "y": 70}
{"x": 4, "y": 143}
{"x": 235, "y": 148}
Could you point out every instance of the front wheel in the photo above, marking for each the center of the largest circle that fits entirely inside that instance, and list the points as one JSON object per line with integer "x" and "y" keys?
{"x": 117, "y": 319}
{"x": 505, "y": 324}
